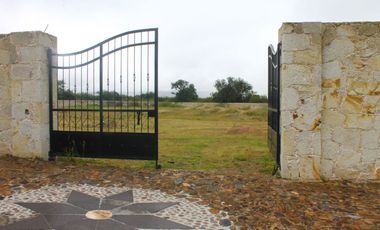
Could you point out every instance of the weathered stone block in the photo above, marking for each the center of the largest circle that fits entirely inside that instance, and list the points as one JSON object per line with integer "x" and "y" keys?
{"x": 5, "y": 109}
{"x": 35, "y": 91}
{"x": 326, "y": 168}
{"x": 338, "y": 49}
{"x": 288, "y": 141}
{"x": 286, "y": 28}
{"x": 333, "y": 118}
{"x": 310, "y": 167}
{"x": 370, "y": 155}
{"x": 345, "y": 31}
{"x": 287, "y": 57}
{"x": 359, "y": 121}
{"x": 5, "y": 57}
{"x": 370, "y": 139}
{"x": 294, "y": 42}
{"x": 330, "y": 149}
{"x": 331, "y": 70}
{"x": 363, "y": 88}
{"x": 5, "y": 148}
{"x": 352, "y": 104}
{"x": 4, "y": 124}
{"x": 31, "y": 54}
{"x": 23, "y": 38}
{"x": 296, "y": 75}
{"x": 348, "y": 161}
{"x": 331, "y": 83}
{"x": 290, "y": 99}
{"x": 331, "y": 99}
{"x": 347, "y": 137}
{"x": 307, "y": 57}
{"x": 312, "y": 27}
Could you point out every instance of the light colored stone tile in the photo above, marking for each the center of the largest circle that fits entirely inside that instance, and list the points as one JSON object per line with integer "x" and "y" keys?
{"x": 369, "y": 139}
{"x": 338, "y": 49}
{"x": 296, "y": 75}
{"x": 347, "y": 164}
{"x": 307, "y": 57}
{"x": 31, "y": 54}
{"x": 5, "y": 57}
{"x": 286, "y": 28}
{"x": 23, "y": 38}
{"x": 287, "y": 57}
{"x": 345, "y": 31}
{"x": 327, "y": 168}
{"x": 332, "y": 70}
{"x": 330, "y": 149}
{"x": 363, "y": 87}
{"x": 352, "y": 104}
{"x": 349, "y": 138}
{"x": 289, "y": 99}
{"x": 359, "y": 121}
{"x": 370, "y": 155}
{"x": 288, "y": 144}
{"x": 294, "y": 42}
{"x": 312, "y": 27}
{"x": 310, "y": 167}
{"x": 331, "y": 99}
{"x": 333, "y": 118}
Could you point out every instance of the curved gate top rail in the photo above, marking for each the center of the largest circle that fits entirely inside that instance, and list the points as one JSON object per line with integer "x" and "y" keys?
{"x": 104, "y": 99}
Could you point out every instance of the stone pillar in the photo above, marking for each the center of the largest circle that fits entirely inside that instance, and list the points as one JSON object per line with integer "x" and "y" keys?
{"x": 6, "y": 57}
{"x": 301, "y": 102}
{"x": 330, "y": 100}
{"x": 29, "y": 90}
{"x": 351, "y": 96}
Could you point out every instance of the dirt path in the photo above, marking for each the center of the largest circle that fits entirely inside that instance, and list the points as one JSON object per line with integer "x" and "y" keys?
{"x": 252, "y": 200}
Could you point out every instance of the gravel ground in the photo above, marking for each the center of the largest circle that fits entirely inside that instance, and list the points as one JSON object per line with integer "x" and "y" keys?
{"x": 251, "y": 200}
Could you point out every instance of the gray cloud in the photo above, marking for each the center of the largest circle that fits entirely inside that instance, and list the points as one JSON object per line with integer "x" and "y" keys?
{"x": 200, "y": 41}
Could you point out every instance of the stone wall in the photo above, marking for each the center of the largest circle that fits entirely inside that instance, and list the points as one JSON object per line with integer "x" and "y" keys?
{"x": 330, "y": 100}
{"x": 24, "y": 107}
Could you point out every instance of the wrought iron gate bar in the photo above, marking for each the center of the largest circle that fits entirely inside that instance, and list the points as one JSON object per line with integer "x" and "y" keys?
{"x": 92, "y": 102}
{"x": 274, "y": 137}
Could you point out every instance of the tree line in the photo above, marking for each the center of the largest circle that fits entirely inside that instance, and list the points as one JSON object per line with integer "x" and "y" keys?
{"x": 227, "y": 90}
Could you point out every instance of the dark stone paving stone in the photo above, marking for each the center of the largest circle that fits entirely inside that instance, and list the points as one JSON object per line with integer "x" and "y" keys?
{"x": 70, "y": 222}
{"x": 124, "y": 196}
{"x": 53, "y": 208}
{"x": 112, "y": 224}
{"x": 148, "y": 207}
{"x": 107, "y": 204}
{"x": 35, "y": 223}
{"x": 150, "y": 222}
{"x": 83, "y": 200}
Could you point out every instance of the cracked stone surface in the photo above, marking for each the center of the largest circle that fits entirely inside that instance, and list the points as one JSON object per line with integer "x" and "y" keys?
{"x": 68, "y": 205}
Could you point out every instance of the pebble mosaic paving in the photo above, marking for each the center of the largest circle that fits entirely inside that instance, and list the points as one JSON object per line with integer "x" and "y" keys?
{"x": 70, "y": 206}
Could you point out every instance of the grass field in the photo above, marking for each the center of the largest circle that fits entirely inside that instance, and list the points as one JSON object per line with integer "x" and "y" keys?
{"x": 204, "y": 136}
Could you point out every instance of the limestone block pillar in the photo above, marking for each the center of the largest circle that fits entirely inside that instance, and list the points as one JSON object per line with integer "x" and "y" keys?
{"x": 6, "y": 58}
{"x": 301, "y": 102}
{"x": 28, "y": 89}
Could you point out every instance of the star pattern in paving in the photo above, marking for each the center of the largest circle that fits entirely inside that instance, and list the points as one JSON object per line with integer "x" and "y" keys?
{"x": 74, "y": 214}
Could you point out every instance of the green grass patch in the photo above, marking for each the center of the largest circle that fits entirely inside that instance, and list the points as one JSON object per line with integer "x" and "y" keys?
{"x": 206, "y": 136}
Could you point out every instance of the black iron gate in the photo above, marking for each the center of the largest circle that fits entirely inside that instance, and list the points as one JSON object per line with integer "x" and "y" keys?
{"x": 274, "y": 67}
{"x": 104, "y": 99}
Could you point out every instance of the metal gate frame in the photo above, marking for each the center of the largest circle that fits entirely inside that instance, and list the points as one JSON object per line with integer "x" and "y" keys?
{"x": 92, "y": 138}
{"x": 274, "y": 136}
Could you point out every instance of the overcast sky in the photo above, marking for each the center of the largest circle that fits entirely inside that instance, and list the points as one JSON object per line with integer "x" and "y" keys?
{"x": 199, "y": 40}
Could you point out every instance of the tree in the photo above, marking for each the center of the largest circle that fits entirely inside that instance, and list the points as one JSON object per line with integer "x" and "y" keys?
{"x": 184, "y": 92}
{"x": 64, "y": 94}
{"x": 232, "y": 90}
